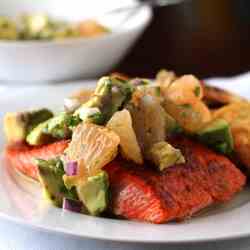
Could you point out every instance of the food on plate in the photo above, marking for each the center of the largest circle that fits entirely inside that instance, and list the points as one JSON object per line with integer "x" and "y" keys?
{"x": 43, "y": 27}
{"x": 164, "y": 155}
{"x": 139, "y": 149}
{"x": 92, "y": 147}
{"x": 74, "y": 101}
{"x": 149, "y": 121}
{"x": 22, "y": 156}
{"x": 18, "y": 124}
{"x": 51, "y": 176}
{"x": 183, "y": 100}
{"x": 177, "y": 192}
{"x": 95, "y": 193}
{"x": 218, "y": 135}
{"x": 216, "y": 97}
{"x": 238, "y": 116}
{"x": 121, "y": 124}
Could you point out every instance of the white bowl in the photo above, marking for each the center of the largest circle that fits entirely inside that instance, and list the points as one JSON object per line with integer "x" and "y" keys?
{"x": 71, "y": 58}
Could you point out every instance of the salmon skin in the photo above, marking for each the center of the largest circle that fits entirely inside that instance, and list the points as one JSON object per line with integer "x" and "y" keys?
{"x": 179, "y": 191}
{"x": 21, "y": 156}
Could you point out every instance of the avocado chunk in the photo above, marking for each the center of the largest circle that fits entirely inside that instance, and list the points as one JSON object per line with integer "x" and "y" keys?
{"x": 37, "y": 136}
{"x": 56, "y": 128}
{"x": 110, "y": 95}
{"x": 94, "y": 193}
{"x": 121, "y": 95}
{"x": 92, "y": 115}
{"x": 50, "y": 176}
{"x": 18, "y": 124}
{"x": 218, "y": 136}
{"x": 172, "y": 126}
{"x": 164, "y": 155}
{"x": 59, "y": 126}
{"x": 102, "y": 93}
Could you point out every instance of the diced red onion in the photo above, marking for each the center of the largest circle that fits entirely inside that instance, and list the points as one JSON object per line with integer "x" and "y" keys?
{"x": 135, "y": 81}
{"x": 71, "y": 168}
{"x": 72, "y": 205}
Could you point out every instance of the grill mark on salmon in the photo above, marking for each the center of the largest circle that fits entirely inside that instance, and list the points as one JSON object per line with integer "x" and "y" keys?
{"x": 214, "y": 172}
{"x": 133, "y": 197}
{"x": 181, "y": 190}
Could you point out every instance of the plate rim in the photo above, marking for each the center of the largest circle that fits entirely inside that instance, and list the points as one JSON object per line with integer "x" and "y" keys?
{"x": 35, "y": 227}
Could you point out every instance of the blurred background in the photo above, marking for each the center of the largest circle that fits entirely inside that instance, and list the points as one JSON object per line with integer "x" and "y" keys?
{"x": 203, "y": 37}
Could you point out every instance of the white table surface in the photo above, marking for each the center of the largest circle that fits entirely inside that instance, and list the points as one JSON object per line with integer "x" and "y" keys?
{"x": 16, "y": 237}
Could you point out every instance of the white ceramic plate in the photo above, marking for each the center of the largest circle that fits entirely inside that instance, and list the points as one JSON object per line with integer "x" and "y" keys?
{"x": 21, "y": 202}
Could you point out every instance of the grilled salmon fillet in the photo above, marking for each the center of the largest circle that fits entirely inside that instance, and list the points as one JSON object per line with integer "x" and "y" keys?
{"x": 21, "y": 156}
{"x": 178, "y": 192}
{"x": 144, "y": 194}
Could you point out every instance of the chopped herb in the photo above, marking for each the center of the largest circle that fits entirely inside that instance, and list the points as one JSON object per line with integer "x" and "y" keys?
{"x": 197, "y": 91}
{"x": 184, "y": 114}
{"x": 186, "y": 106}
{"x": 73, "y": 121}
{"x": 186, "y": 111}
{"x": 157, "y": 91}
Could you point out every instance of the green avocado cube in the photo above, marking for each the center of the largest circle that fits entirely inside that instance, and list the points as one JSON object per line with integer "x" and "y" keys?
{"x": 50, "y": 176}
{"x": 18, "y": 124}
{"x": 218, "y": 136}
{"x": 58, "y": 127}
{"x": 110, "y": 95}
{"x": 95, "y": 193}
{"x": 92, "y": 115}
{"x": 164, "y": 155}
{"x": 172, "y": 127}
{"x": 38, "y": 136}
